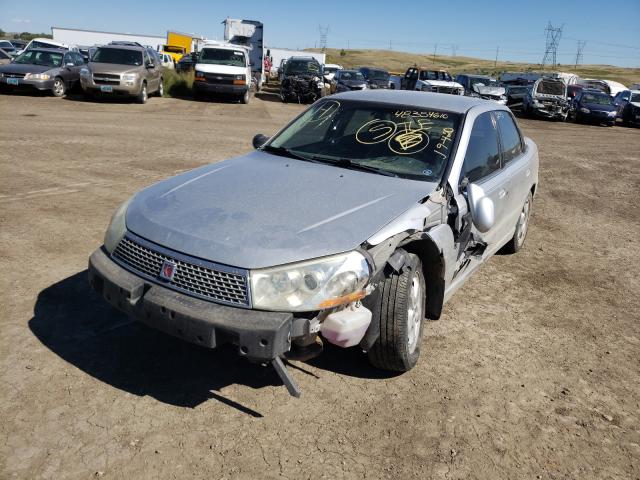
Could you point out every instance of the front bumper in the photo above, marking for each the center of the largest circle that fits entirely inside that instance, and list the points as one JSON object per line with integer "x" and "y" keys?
{"x": 133, "y": 89}
{"x": 260, "y": 336}
{"x": 27, "y": 84}
{"x": 206, "y": 87}
{"x": 550, "y": 111}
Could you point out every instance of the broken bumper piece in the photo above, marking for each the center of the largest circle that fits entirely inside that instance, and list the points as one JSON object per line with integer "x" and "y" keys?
{"x": 260, "y": 336}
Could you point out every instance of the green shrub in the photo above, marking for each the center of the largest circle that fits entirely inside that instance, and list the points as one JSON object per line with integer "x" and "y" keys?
{"x": 177, "y": 84}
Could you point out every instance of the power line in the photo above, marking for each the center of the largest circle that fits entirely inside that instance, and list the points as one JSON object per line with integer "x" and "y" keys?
{"x": 553, "y": 35}
{"x": 581, "y": 44}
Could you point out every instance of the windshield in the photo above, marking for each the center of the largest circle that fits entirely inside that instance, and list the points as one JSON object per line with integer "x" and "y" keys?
{"x": 219, "y": 56}
{"x": 378, "y": 75}
{"x": 597, "y": 98}
{"x": 487, "y": 82}
{"x": 551, "y": 87}
{"x": 635, "y": 97}
{"x": 6, "y": 45}
{"x": 38, "y": 57}
{"x": 118, "y": 56}
{"x": 346, "y": 75}
{"x": 328, "y": 70}
{"x": 415, "y": 144}
{"x": 302, "y": 67}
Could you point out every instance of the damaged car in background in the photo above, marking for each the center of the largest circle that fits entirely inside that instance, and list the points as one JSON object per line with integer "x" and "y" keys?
{"x": 482, "y": 86}
{"x": 302, "y": 80}
{"x": 356, "y": 223}
{"x": 547, "y": 98}
{"x": 429, "y": 80}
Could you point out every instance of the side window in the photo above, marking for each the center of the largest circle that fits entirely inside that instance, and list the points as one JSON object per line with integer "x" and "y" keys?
{"x": 145, "y": 57}
{"x": 79, "y": 60}
{"x": 68, "y": 58}
{"x": 510, "y": 138}
{"x": 482, "y": 157}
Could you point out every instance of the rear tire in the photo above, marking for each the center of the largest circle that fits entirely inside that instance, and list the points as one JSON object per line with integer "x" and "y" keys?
{"x": 59, "y": 88}
{"x": 142, "y": 96}
{"x": 522, "y": 227}
{"x": 161, "y": 88}
{"x": 400, "y": 310}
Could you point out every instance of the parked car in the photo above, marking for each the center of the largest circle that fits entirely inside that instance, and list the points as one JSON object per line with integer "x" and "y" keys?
{"x": 43, "y": 69}
{"x": 376, "y": 77}
{"x": 18, "y": 44}
{"x": 8, "y": 47}
{"x": 627, "y": 105}
{"x": 547, "y": 98}
{"x": 367, "y": 199}
{"x": 346, "y": 80}
{"x": 593, "y": 106}
{"x": 607, "y": 86}
{"x": 4, "y": 57}
{"x": 302, "y": 80}
{"x": 224, "y": 68}
{"x": 428, "y": 80}
{"x": 482, "y": 86}
{"x": 635, "y": 86}
{"x": 45, "y": 43}
{"x": 283, "y": 62}
{"x": 187, "y": 63}
{"x": 166, "y": 61}
{"x": 330, "y": 70}
{"x": 122, "y": 70}
{"x": 515, "y": 95}
{"x": 87, "y": 52}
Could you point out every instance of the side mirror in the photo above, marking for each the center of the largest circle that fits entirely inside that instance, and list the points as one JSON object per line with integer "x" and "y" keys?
{"x": 481, "y": 207}
{"x": 69, "y": 64}
{"x": 259, "y": 140}
{"x": 151, "y": 65}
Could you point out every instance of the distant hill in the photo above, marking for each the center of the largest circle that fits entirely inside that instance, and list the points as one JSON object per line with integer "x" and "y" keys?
{"x": 396, "y": 61}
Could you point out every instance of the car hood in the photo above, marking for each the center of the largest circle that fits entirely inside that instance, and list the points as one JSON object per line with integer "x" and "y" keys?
{"x": 262, "y": 210}
{"x": 491, "y": 91}
{"x": 222, "y": 69}
{"x": 24, "y": 68}
{"x": 113, "y": 68}
{"x": 599, "y": 107}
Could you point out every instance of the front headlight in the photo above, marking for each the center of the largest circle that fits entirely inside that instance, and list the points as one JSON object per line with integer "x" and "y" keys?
{"x": 612, "y": 113}
{"x": 37, "y": 76}
{"x": 585, "y": 110}
{"x": 129, "y": 77}
{"x": 312, "y": 285}
{"x": 84, "y": 72}
{"x": 117, "y": 228}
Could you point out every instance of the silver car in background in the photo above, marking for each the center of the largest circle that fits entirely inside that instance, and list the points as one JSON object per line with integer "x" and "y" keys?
{"x": 354, "y": 224}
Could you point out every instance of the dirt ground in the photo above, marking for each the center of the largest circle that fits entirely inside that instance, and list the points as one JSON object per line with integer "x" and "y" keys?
{"x": 533, "y": 372}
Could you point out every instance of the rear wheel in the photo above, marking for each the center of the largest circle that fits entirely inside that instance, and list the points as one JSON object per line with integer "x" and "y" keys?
{"x": 161, "y": 88}
{"x": 400, "y": 312}
{"x": 522, "y": 227}
{"x": 142, "y": 96}
{"x": 59, "y": 88}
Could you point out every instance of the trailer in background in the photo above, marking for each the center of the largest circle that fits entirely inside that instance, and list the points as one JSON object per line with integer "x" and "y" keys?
{"x": 75, "y": 36}
{"x": 250, "y": 34}
{"x": 179, "y": 44}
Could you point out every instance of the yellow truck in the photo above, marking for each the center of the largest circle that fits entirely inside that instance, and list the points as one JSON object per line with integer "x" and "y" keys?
{"x": 177, "y": 45}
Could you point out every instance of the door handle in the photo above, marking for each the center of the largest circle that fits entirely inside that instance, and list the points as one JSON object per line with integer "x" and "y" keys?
{"x": 502, "y": 193}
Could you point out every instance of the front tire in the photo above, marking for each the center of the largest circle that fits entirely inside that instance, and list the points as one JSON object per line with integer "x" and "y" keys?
{"x": 400, "y": 311}
{"x": 142, "y": 96}
{"x": 59, "y": 88}
{"x": 244, "y": 98}
{"x": 522, "y": 227}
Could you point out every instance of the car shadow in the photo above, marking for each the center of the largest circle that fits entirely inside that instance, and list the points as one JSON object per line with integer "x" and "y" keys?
{"x": 350, "y": 362}
{"x": 76, "y": 324}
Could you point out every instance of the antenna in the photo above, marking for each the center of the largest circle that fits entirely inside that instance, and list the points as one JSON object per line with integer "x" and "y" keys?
{"x": 553, "y": 35}
{"x": 323, "y": 36}
{"x": 581, "y": 44}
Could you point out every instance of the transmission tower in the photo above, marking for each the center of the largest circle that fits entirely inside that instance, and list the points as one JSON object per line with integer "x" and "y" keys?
{"x": 581, "y": 44}
{"x": 324, "y": 31}
{"x": 553, "y": 35}
{"x": 454, "y": 49}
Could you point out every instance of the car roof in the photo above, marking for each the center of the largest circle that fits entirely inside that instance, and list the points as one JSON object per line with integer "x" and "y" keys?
{"x": 592, "y": 90}
{"x": 50, "y": 50}
{"x": 137, "y": 48}
{"x": 410, "y": 98}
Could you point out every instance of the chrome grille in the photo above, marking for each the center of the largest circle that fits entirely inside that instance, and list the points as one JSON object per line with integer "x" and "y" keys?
{"x": 209, "y": 282}
{"x": 106, "y": 79}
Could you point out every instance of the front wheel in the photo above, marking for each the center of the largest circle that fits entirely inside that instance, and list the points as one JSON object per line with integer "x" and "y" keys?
{"x": 522, "y": 227}
{"x": 59, "y": 88}
{"x": 244, "y": 98}
{"x": 399, "y": 309}
{"x": 142, "y": 96}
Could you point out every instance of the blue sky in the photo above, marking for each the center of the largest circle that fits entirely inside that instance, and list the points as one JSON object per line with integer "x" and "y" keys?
{"x": 611, "y": 29}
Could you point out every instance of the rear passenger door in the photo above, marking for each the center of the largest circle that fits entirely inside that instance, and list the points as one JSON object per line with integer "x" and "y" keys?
{"x": 516, "y": 166}
{"x": 482, "y": 166}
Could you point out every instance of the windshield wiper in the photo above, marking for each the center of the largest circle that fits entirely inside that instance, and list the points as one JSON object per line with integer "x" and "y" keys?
{"x": 350, "y": 164}
{"x": 285, "y": 152}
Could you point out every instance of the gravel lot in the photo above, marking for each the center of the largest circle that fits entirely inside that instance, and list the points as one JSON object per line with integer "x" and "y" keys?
{"x": 533, "y": 371}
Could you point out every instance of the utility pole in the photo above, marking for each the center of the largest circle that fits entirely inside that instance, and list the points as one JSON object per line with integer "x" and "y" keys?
{"x": 581, "y": 44}
{"x": 323, "y": 36}
{"x": 390, "y": 45}
{"x": 454, "y": 49}
{"x": 495, "y": 64}
{"x": 435, "y": 50}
